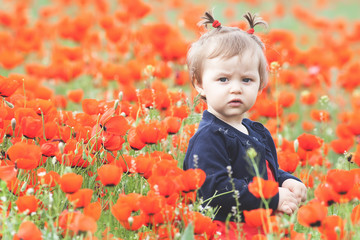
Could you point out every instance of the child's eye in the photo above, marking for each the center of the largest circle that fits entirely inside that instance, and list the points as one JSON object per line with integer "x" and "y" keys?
{"x": 223, "y": 79}
{"x": 247, "y": 80}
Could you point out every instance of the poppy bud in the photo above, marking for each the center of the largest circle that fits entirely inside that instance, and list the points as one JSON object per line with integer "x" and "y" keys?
{"x": 280, "y": 139}
{"x": 13, "y": 124}
{"x": 10, "y": 105}
{"x": 61, "y": 146}
{"x": 120, "y": 96}
{"x": 324, "y": 100}
{"x": 296, "y": 145}
{"x": 116, "y": 104}
{"x": 149, "y": 70}
{"x": 274, "y": 66}
{"x": 251, "y": 152}
{"x": 130, "y": 220}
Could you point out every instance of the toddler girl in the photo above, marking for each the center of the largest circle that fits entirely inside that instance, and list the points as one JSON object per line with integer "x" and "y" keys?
{"x": 228, "y": 68}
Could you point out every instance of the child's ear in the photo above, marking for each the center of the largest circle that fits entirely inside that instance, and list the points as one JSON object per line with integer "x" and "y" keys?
{"x": 199, "y": 88}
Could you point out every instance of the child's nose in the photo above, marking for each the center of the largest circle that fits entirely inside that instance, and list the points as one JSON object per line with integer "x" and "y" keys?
{"x": 236, "y": 87}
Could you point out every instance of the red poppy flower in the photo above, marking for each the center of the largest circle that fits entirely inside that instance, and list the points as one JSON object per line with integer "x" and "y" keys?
{"x": 134, "y": 140}
{"x": 332, "y": 227}
{"x": 146, "y": 97}
{"x": 149, "y": 133}
{"x": 341, "y": 181}
{"x": 202, "y": 224}
{"x": 80, "y": 198}
{"x": 288, "y": 161}
{"x": 8, "y": 86}
{"x": 93, "y": 210}
{"x": 268, "y": 108}
{"x": 51, "y": 130}
{"x": 309, "y": 142}
{"x": 286, "y": 99}
{"x": 25, "y": 155}
{"x": 82, "y": 223}
{"x": 124, "y": 208}
{"x": 192, "y": 179}
{"x": 110, "y": 175}
{"x": 343, "y": 131}
{"x": 28, "y": 231}
{"x": 117, "y": 125}
{"x": 342, "y": 145}
{"x": 134, "y": 223}
{"x": 8, "y": 172}
{"x": 112, "y": 142}
{"x": 27, "y": 203}
{"x": 172, "y": 124}
{"x": 50, "y": 149}
{"x": 142, "y": 165}
{"x": 181, "y": 112}
{"x": 263, "y": 188}
{"x": 307, "y": 125}
{"x": 151, "y": 204}
{"x": 326, "y": 195}
{"x": 308, "y": 98}
{"x": 166, "y": 167}
{"x": 320, "y": 115}
{"x": 182, "y": 78}
{"x": 90, "y": 106}
{"x": 257, "y": 217}
{"x": 71, "y": 182}
{"x": 31, "y": 127}
{"x": 163, "y": 185}
{"x": 354, "y": 125}
{"x": 312, "y": 214}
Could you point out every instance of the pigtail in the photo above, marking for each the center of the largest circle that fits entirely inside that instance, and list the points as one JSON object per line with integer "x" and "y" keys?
{"x": 254, "y": 19}
{"x": 209, "y": 19}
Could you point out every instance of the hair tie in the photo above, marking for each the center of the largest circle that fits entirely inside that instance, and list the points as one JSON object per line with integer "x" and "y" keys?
{"x": 250, "y": 31}
{"x": 216, "y": 24}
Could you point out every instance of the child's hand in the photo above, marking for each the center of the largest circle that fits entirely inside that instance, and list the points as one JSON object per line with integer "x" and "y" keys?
{"x": 287, "y": 201}
{"x": 296, "y": 187}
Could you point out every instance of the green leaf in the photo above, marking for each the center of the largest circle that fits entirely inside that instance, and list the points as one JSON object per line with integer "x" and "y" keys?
{"x": 188, "y": 233}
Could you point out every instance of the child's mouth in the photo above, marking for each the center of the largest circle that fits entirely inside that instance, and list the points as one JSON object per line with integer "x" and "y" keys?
{"x": 235, "y": 102}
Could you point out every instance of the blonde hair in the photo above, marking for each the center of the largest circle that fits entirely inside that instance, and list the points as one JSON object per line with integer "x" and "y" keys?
{"x": 230, "y": 42}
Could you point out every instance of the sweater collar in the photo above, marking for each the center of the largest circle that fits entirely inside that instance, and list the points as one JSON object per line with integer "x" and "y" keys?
{"x": 255, "y": 129}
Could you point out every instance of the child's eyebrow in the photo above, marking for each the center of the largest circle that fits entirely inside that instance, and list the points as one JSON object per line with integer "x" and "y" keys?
{"x": 244, "y": 74}
{"x": 223, "y": 73}
{"x": 250, "y": 74}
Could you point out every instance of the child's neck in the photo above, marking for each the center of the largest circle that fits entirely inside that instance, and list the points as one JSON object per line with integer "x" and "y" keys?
{"x": 238, "y": 125}
{"x": 241, "y": 128}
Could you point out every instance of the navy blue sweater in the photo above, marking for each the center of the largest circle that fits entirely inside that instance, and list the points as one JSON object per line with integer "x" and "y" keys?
{"x": 217, "y": 145}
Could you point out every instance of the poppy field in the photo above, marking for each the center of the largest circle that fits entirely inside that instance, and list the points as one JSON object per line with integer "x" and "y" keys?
{"x": 97, "y": 110}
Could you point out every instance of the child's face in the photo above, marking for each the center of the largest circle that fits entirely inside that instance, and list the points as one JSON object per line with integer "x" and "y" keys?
{"x": 230, "y": 85}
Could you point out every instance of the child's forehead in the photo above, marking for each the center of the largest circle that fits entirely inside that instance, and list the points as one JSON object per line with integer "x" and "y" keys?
{"x": 226, "y": 49}
{"x": 226, "y": 55}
